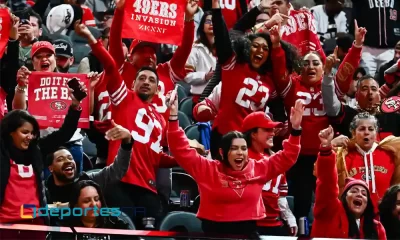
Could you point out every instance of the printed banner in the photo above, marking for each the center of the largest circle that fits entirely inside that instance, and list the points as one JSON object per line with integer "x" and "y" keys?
{"x": 49, "y": 101}
{"x": 154, "y": 21}
{"x": 5, "y": 26}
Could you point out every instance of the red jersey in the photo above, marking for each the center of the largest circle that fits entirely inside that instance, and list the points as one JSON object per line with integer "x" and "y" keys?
{"x": 22, "y": 189}
{"x": 271, "y": 192}
{"x": 147, "y": 126}
{"x": 243, "y": 91}
{"x": 88, "y": 18}
{"x": 101, "y": 108}
{"x": 169, "y": 73}
{"x": 232, "y": 11}
{"x": 383, "y": 164}
{"x": 314, "y": 115}
{"x": 301, "y": 31}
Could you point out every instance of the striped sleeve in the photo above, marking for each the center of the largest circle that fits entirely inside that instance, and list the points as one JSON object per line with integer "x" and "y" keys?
{"x": 230, "y": 64}
{"x": 119, "y": 94}
{"x": 287, "y": 88}
{"x": 283, "y": 186}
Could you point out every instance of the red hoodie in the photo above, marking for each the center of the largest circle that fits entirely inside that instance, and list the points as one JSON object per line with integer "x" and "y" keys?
{"x": 227, "y": 195}
{"x": 169, "y": 73}
{"x": 330, "y": 219}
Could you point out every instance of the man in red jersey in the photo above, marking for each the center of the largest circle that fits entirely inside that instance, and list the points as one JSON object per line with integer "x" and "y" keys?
{"x": 144, "y": 54}
{"x": 259, "y": 130}
{"x": 133, "y": 110}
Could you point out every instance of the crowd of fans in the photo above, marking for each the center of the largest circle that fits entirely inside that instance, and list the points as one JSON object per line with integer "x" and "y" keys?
{"x": 278, "y": 110}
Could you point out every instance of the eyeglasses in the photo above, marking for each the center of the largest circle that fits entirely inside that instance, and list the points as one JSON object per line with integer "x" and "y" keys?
{"x": 208, "y": 21}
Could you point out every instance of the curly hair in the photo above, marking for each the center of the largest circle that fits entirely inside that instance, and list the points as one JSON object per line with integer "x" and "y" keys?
{"x": 363, "y": 116}
{"x": 242, "y": 46}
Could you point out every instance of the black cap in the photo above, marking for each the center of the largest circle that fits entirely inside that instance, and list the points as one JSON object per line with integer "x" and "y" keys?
{"x": 63, "y": 48}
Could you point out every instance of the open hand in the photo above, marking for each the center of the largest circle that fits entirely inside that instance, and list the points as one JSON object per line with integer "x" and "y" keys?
{"x": 296, "y": 114}
{"x": 22, "y": 76}
{"x": 94, "y": 79}
{"x": 359, "y": 34}
{"x": 326, "y": 136}
{"x": 117, "y": 132}
{"x": 331, "y": 61}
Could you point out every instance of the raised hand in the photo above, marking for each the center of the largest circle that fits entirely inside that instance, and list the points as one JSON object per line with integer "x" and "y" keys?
{"x": 120, "y": 4}
{"x": 326, "y": 136}
{"x": 215, "y": 4}
{"x": 191, "y": 9}
{"x": 275, "y": 35}
{"x": 118, "y": 133}
{"x": 172, "y": 103}
{"x": 296, "y": 114}
{"x": 340, "y": 141}
{"x": 94, "y": 79}
{"x": 83, "y": 31}
{"x": 14, "y": 27}
{"x": 331, "y": 61}
{"x": 359, "y": 34}
{"x": 75, "y": 101}
{"x": 22, "y": 76}
{"x": 276, "y": 19}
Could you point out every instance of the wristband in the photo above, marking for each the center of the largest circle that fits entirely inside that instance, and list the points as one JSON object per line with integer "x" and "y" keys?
{"x": 173, "y": 120}
{"x": 296, "y": 132}
{"x": 20, "y": 89}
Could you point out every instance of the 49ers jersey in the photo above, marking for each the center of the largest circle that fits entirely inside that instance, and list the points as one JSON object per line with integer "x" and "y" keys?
{"x": 314, "y": 116}
{"x": 243, "y": 91}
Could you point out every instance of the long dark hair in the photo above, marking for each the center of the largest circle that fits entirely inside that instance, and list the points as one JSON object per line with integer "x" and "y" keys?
{"x": 388, "y": 203}
{"x": 14, "y": 120}
{"x": 201, "y": 35}
{"x": 369, "y": 227}
{"x": 76, "y": 192}
{"x": 243, "y": 45}
{"x": 226, "y": 143}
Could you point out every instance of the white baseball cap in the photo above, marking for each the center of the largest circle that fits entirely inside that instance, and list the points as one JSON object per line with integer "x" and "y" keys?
{"x": 62, "y": 17}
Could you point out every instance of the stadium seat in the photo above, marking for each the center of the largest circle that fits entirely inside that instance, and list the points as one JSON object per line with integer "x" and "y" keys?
{"x": 186, "y": 106}
{"x": 89, "y": 148}
{"x": 93, "y": 170}
{"x": 184, "y": 120}
{"x": 290, "y": 201}
{"x": 179, "y": 220}
{"x": 181, "y": 92}
{"x": 196, "y": 204}
{"x": 87, "y": 164}
{"x": 73, "y": 69}
{"x": 81, "y": 50}
{"x": 183, "y": 181}
{"x": 128, "y": 220}
{"x": 192, "y": 132}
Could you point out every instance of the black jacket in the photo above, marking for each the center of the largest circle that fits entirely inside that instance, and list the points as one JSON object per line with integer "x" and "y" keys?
{"x": 37, "y": 152}
{"x": 380, "y": 74}
{"x": 383, "y": 22}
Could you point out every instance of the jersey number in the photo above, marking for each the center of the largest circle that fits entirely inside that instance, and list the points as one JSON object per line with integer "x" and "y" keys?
{"x": 148, "y": 129}
{"x": 228, "y": 4}
{"x": 275, "y": 189}
{"x": 307, "y": 98}
{"x": 104, "y": 111}
{"x": 254, "y": 88}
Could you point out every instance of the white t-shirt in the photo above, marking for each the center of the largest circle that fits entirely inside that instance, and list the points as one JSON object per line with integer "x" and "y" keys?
{"x": 322, "y": 21}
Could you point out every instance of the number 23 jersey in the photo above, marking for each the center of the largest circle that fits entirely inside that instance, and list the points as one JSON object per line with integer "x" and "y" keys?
{"x": 243, "y": 91}
{"x": 314, "y": 116}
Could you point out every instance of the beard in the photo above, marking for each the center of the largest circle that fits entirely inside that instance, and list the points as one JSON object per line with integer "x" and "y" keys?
{"x": 63, "y": 69}
{"x": 144, "y": 97}
{"x": 62, "y": 178}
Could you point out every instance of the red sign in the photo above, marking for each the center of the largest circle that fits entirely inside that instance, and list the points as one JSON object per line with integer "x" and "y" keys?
{"x": 391, "y": 105}
{"x": 49, "y": 101}
{"x": 5, "y": 26}
{"x": 154, "y": 21}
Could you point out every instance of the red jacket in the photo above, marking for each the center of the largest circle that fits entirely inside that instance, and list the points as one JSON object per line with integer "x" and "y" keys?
{"x": 330, "y": 219}
{"x": 227, "y": 195}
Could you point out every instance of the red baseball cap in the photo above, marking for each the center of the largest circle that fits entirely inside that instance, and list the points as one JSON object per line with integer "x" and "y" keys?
{"x": 259, "y": 120}
{"x": 352, "y": 182}
{"x": 139, "y": 43}
{"x": 40, "y": 45}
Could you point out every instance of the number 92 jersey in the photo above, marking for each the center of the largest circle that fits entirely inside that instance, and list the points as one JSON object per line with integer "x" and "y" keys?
{"x": 243, "y": 91}
{"x": 314, "y": 116}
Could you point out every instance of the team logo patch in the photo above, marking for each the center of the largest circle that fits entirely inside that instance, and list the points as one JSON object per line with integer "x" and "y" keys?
{"x": 391, "y": 105}
{"x": 58, "y": 105}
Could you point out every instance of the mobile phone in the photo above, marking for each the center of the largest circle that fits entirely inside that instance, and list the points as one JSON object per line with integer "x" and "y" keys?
{"x": 24, "y": 21}
{"x": 78, "y": 93}
{"x": 173, "y": 95}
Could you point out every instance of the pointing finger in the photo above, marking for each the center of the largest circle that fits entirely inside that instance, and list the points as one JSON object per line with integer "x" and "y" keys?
{"x": 335, "y": 52}
{"x": 355, "y": 24}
